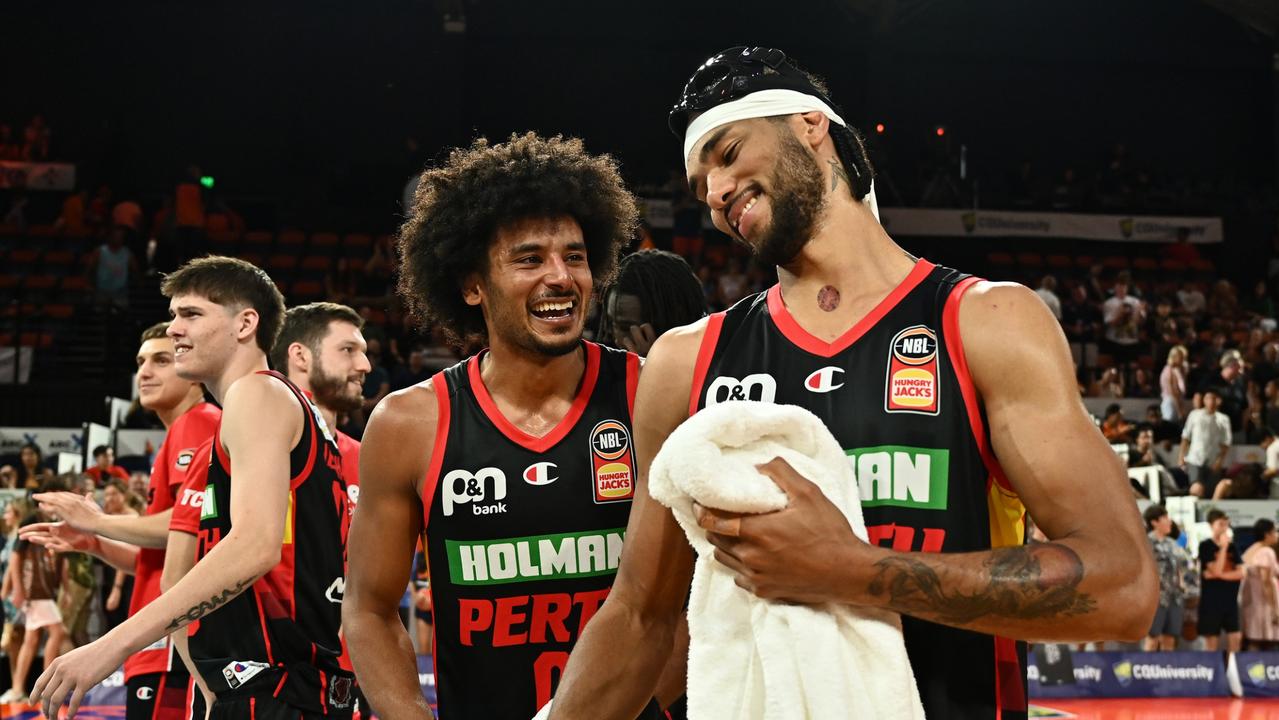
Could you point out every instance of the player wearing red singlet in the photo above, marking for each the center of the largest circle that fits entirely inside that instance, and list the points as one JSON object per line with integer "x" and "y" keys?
{"x": 271, "y": 526}
{"x": 156, "y": 681}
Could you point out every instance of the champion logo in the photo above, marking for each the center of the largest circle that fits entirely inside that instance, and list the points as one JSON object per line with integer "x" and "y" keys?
{"x": 539, "y": 474}
{"x": 824, "y": 380}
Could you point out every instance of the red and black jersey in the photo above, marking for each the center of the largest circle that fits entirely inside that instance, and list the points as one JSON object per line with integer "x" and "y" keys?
{"x": 280, "y": 637}
{"x": 523, "y": 534}
{"x": 896, "y": 393}
{"x": 172, "y": 462}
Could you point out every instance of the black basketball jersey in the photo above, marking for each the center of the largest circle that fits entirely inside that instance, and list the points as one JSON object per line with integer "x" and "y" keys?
{"x": 523, "y": 534}
{"x": 896, "y": 393}
{"x": 280, "y": 636}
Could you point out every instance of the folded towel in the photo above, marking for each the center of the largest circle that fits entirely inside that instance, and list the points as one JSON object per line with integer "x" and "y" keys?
{"x": 751, "y": 658}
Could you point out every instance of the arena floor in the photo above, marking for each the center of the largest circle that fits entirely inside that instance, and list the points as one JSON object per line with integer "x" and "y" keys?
{"x": 1158, "y": 709}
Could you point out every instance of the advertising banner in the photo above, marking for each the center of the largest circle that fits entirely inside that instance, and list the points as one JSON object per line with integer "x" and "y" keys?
{"x": 1137, "y": 674}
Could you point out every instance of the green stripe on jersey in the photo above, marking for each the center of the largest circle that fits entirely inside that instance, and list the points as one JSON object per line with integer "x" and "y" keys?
{"x": 536, "y": 557}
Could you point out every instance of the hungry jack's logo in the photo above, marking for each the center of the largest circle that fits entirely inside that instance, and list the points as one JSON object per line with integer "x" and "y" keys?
{"x": 613, "y": 466}
{"x": 911, "y": 384}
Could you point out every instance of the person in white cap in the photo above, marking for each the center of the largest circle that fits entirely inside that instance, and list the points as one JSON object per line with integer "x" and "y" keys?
{"x": 952, "y": 441}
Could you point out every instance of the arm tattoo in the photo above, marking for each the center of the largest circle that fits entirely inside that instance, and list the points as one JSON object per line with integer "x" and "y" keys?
{"x": 837, "y": 173}
{"x": 207, "y": 606}
{"x": 1016, "y": 586}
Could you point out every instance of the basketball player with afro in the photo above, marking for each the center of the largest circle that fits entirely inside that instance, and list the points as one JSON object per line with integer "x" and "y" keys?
{"x": 516, "y": 464}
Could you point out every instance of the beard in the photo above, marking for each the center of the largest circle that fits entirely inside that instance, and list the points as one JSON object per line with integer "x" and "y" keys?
{"x": 505, "y": 322}
{"x": 331, "y": 391}
{"x": 798, "y": 197}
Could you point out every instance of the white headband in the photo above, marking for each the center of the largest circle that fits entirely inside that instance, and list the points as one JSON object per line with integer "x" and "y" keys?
{"x": 764, "y": 103}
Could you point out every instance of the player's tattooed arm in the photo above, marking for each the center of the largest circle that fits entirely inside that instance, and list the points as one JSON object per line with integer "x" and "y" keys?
{"x": 205, "y": 607}
{"x": 1029, "y": 582}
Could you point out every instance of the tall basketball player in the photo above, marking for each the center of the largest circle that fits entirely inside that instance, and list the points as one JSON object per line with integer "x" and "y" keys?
{"x": 954, "y": 398}
{"x": 156, "y": 680}
{"x": 320, "y": 349}
{"x": 516, "y": 463}
{"x": 271, "y": 522}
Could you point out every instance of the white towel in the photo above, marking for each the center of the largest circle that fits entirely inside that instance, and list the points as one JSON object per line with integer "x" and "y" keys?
{"x": 751, "y": 658}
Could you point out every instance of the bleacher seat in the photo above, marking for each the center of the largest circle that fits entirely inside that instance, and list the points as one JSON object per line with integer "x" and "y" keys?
{"x": 1115, "y": 262}
{"x": 1059, "y": 262}
{"x": 357, "y": 245}
{"x": 59, "y": 260}
{"x": 223, "y": 242}
{"x": 75, "y": 284}
{"x": 1084, "y": 262}
{"x": 23, "y": 256}
{"x": 258, "y": 239}
{"x": 42, "y": 281}
{"x": 307, "y": 290}
{"x": 282, "y": 261}
{"x": 324, "y": 242}
{"x": 1030, "y": 260}
{"x": 293, "y": 239}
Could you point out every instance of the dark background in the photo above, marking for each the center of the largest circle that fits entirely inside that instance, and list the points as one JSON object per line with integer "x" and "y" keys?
{"x": 302, "y": 110}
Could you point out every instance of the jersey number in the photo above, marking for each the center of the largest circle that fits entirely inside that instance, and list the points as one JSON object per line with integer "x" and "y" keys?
{"x": 902, "y": 538}
{"x": 547, "y": 671}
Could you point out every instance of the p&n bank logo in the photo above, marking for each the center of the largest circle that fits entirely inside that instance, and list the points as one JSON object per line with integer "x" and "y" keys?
{"x": 760, "y": 387}
{"x": 482, "y": 490}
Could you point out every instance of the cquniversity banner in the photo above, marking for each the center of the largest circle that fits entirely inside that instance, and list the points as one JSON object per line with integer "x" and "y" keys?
{"x": 1137, "y": 674}
{"x": 1258, "y": 673}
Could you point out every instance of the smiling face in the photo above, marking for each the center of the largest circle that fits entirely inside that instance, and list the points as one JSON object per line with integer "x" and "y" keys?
{"x": 159, "y": 387}
{"x": 762, "y": 185}
{"x": 205, "y": 335}
{"x": 536, "y": 288}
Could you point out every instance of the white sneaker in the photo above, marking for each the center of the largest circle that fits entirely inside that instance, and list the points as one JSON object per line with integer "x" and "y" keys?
{"x": 13, "y": 695}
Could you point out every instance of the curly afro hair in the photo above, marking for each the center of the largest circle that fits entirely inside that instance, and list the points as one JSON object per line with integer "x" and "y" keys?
{"x": 460, "y": 207}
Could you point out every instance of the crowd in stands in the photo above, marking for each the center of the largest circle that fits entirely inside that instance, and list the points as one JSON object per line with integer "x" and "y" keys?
{"x": 31, "y": 145}
{"x": 55, "y": 602}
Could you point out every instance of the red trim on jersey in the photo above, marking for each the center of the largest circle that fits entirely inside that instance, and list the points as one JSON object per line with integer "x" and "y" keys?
{"x": 710, "y": 338}
{"x": 253, "y": 708}
{"x": 280, "y": 686}
{"x": 193, "y": 429}
{"x": 308, "y": 418}
{"x": 955, "y": 348}
{"x": 266, "y": 637}
{"x": 565, "y": 425}
{"x": 806, "y": 341}
{"x": 632, "y": 382}
{"x": 444, "y": 403}
{"x": 435, "y": 655}
{"x": 1008, "y": 674}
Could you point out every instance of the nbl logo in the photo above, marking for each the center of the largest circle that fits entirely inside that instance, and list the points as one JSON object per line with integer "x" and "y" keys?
{"x": 916, "y": 346}
{"x": 609, "y": 440}
{"x": 612, "y": 463}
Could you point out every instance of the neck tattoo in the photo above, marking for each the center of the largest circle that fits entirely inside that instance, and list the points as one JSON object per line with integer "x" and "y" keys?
{"x": 828, "y": 298}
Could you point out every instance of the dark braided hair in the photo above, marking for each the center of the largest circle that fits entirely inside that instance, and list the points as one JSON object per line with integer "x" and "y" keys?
{"x": 670, "y": 294}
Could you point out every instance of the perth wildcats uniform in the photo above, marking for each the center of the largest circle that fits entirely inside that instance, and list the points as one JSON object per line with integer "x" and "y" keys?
{"x": 895, "y": 391}
{"x": 523, "y": 534}
{"x": 273, "y": 650}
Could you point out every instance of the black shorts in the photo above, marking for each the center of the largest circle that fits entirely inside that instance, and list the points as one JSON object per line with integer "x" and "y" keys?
{"x": 1216, "y": 617}
{"x": 266, "y": 707}
{"x": 157, "y": 696}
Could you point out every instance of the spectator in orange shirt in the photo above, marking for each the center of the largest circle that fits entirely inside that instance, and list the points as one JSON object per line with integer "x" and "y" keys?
{"x": 1115, "y": 427}
{"x": 104, "y": 467}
